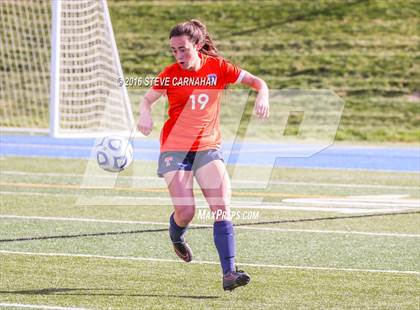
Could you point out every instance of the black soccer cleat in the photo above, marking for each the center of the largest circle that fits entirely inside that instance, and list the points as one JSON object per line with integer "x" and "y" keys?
{"x": 183, "y": 250}
{"x": 234, "y": 279}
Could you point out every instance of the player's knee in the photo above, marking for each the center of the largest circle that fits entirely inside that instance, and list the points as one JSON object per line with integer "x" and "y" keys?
{"x": 185, "y": 214}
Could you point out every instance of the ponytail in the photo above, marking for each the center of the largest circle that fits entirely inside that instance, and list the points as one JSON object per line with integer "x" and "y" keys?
{"x": 198, "y": 34}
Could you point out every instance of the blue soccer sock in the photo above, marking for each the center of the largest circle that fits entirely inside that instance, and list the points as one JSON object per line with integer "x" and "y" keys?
{"x": 224, "y": 239}
{"x": 176, "y": 232}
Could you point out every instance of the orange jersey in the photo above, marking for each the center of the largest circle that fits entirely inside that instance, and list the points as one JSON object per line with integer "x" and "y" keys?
{"x": 194, "y": 104}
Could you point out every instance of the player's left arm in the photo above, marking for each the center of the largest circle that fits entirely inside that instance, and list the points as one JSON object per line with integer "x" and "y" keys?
{"x": 262, "y": 106}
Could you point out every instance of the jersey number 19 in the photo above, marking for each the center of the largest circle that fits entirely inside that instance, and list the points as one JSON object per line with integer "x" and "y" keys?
{"x": 202, "y": 100}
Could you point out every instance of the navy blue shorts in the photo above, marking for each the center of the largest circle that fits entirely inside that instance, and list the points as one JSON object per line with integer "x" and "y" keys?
{"x": 188, "y": 161}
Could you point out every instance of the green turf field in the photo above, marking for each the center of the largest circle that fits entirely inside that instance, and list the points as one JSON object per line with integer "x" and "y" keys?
{"x": 366, "y": 51}
{"x": 322, "y": 239}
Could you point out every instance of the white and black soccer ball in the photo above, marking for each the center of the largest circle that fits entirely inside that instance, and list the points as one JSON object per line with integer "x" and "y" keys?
{"x": 114, "y": 153}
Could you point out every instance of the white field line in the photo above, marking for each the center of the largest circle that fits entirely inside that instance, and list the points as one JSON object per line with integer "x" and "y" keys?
{"x": 68, "y": 147}
{"x": 319, "y": 209}
{"x": 19, "y": 193}
{"x": 280, "y": 151}
{"x": 112, "y": 199}
{"x": 76, "y": 219}
{"x": 77, "y": 175}
{"x": 160, "y": 181}
{"x": 95, "y": 199}
{"x": 38, "y": 306}
{"x": 346, "y": 201}
{"x": 201, "y": 204}
{"x": 343, "y": 232}
{"x": 335, "y": 185}
{"x": 381, "y": 198}
{"x": 353, "y": 204}
{"x": 150, "y": 259}
{"x": 155, "y": 150}
{"x": 47, "y": 146}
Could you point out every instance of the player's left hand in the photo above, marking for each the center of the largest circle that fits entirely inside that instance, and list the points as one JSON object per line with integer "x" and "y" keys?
{"x": 262, "y": 105}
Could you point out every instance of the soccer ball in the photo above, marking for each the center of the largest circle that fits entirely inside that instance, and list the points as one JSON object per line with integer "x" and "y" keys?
{"x": 114, "y": 153}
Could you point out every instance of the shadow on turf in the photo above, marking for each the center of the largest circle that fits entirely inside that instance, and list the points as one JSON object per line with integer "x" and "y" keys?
{"x": 300, "y": 220}
{"x": 90, "y": 292}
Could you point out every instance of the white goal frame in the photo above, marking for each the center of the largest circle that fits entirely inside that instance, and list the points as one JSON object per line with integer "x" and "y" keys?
{"x": 54, "y": 129}
{"x": 60, "y": 70}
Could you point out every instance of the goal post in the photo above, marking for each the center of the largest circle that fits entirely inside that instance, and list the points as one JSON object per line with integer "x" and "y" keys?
{"x": 60, "y": 69}
{"x": 54, "y": 103}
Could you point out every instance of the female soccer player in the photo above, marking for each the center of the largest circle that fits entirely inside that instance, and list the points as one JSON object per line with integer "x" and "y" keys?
{"x": 190, "y": 138}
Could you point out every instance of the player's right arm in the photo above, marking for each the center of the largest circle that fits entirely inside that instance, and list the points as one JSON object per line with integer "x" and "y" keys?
{"x": 145, "y": 121}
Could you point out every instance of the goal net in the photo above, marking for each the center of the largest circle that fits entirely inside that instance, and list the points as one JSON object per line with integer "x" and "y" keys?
{"x": 60, "y": 69}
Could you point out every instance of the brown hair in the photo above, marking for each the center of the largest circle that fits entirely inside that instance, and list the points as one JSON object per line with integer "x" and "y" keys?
{"x": 198, "y": 34}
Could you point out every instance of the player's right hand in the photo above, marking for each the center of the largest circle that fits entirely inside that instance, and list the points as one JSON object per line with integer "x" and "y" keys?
{"x": 145, "y": 123}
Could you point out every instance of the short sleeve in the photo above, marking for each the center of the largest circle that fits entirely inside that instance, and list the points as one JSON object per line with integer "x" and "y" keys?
{"x": 231, "y": 73}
